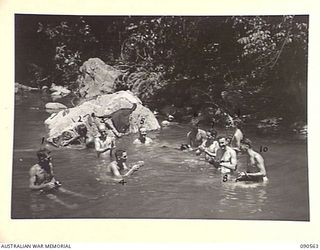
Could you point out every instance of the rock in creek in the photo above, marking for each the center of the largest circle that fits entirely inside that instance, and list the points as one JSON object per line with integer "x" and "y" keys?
{"x": 59, "y": 91}
{"x": 122, "y": 109}
{"x": 18, "y": 87}
{"x": 55, "y": 106}
{"x": 96, "y": 78}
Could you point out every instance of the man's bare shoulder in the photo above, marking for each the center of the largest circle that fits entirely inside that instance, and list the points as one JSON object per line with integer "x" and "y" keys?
{"x": 35, "y": 168}
{"x": 137, "y": 141}
{"x": 258, "y": 157}
{"x": 201, "y": 131}
{"x": 149, "y": 140}
{"x": 113, "y": 164}
{"x": 97, "y": 139}
{"x": 231, "y": 150}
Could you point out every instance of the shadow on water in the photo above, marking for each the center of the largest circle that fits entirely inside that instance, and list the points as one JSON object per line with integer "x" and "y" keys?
{"x": 171, "y": 184}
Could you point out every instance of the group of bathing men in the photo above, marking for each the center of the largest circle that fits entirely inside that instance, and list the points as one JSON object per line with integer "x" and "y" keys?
{"x": 42, "y": 176}
{"x": 222, "y": 152}
{"x": 219, "y": 151}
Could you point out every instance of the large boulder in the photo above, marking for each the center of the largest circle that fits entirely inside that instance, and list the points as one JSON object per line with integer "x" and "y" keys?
{"x": 96, "y": 78}
{"x": 122, "y": 108}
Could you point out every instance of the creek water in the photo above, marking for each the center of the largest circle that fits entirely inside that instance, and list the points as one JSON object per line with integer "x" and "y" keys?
{"x": 171, "y": 184}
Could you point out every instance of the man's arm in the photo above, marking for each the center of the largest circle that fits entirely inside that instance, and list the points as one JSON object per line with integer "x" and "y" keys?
{"x": 212, "y": 149}
{"x": 51, "y": 168}
{"x": 260, "y": 165}
{"x": 113, "y": 129}
{"x": 212, "y": 154}
{"x": 134, "y": 168}
{"x": 188, "y": 138}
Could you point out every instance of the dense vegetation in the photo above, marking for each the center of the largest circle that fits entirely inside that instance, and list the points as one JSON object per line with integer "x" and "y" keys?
{"x": 243, "y": 64}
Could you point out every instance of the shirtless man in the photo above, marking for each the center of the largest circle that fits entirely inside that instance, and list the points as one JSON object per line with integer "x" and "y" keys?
{"x": 167, "y": 122}
{"x": 226, "y": 157}
{"x": 210, "y": 146}
{"x": 41, "y": 174}
{"x": 237, "y": 137}
{"x": 143, "y": 138}
{"x": 196, "y": 137}
{"x": 255, "y": 169}
{"x": 105, "y": 142}
{"x": 42, "y": 179}
{"x": 119, "y": 165}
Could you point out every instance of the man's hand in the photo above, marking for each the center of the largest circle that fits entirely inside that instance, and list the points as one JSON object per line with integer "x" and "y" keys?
{"x": 141, "y": 163}
{"x": 241, "y": 175}
{"x": 135, "y": 167}
{"x": 49, "y": 186}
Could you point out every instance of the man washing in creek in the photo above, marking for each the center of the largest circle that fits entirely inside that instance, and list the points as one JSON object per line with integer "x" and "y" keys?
{"x": 143, "y": 138}
{"x": 42, "y": 179}
{"x": 41, "y": 174}
{"x": 209, "y": 146}
{"x": 117, "y": 167}
{"x": 226, "y": 157}
{"x": 255, "y": 171}
{"x": 237, "y": 137}
{"x": 105, "y": 143}
{"x": 194, "y": 138}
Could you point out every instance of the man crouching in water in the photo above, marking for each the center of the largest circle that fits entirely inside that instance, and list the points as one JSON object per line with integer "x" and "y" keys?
{"x": 226, "y": 157}
{"x": 119, "y": 165}
{"x": 255, "y": 169}
{"x": 143, "y": 138}
{"x": 41, "y": 174}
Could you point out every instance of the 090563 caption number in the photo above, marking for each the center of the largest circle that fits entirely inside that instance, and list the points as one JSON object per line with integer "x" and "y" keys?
{"x": 309, "y": 246}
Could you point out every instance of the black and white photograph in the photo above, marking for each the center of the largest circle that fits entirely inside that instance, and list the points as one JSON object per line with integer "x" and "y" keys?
{"x": 159, "y": 124}
{"x": 160, "y": 117}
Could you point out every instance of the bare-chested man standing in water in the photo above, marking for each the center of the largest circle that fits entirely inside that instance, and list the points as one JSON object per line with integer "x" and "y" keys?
{"x": 196, "y": 136}
{"x": 41, "y": 174}
{"x": 105, "y": 143}
{"x": 256, "y": 170}
{"x": 42, "y": 179}
{"x": 226, "y": 157}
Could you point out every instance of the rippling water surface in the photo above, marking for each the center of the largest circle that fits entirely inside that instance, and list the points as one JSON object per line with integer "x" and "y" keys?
{"x": 172, "y": 184}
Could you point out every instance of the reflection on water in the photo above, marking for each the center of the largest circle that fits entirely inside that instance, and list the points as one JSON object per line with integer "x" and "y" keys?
{"x": 171, "y": 184}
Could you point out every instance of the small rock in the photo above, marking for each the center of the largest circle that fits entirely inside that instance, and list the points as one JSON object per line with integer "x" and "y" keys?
{"x": 55, "y": 105}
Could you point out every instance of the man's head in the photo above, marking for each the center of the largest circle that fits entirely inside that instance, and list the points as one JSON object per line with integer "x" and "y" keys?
{"x": 222, "y": 142}
{"x": 170, "y": 118}
{"x": 121, "y": 155}
{"x": 143, "y": 133}
{"x": 103, "y": 130}
{"x": 245, "y": 144}
{"x": 195, "y": 126}
{"x": 44, "y": 155}
{"x": 82, "y": 130}
{"x": 238, "y": 123}
{"x": 211, "y": 134}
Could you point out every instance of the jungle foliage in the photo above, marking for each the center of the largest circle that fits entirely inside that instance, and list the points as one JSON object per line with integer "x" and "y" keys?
{"x": 256, "y": 64}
